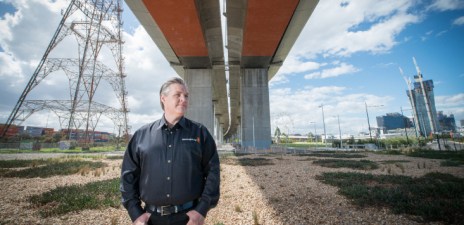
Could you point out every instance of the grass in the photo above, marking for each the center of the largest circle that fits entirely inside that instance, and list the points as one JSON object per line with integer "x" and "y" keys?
{"x": 334, "y": 155}
{"x": 53, "y": 168}
{"x": 301, "y": 144}
{"x": 451, "y": 163}
{"x": 389, "y": 152}
{"x": 62, "y": 200}
{"x": 394, "y": 161}
{"x": 22, "y": 163}
{"x": 115, "y": 157}
{"x": 57, "y": 150}
{"x": 255, "y": 161}
{"x": 433, "y": 197}
{"x": 456, "y": 156}
{"x": 246, "y": 161}
{"x": 353, "y": 164}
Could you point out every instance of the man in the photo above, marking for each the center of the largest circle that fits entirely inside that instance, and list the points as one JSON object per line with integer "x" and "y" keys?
{"x": 171, "y": 165}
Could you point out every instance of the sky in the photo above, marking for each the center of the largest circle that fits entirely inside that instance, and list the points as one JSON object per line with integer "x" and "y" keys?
{"x": 347, "y": 56}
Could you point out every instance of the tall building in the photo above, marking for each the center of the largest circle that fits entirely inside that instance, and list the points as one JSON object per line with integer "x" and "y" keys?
{"x": 423, "y": 101}
{"x": 447, "y": 123}
{"x": 393, "y": 121}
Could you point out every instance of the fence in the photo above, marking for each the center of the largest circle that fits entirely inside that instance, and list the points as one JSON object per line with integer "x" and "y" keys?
{"x": 38, "y": 146}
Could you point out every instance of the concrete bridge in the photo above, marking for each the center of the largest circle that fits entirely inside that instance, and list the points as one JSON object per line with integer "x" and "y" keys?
{"x": 260, "y": 34}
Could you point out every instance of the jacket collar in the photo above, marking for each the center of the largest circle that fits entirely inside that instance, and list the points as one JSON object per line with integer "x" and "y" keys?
{"x": 163, "y": 124}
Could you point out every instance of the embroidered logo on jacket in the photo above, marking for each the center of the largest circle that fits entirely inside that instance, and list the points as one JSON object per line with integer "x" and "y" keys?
{"x": 188, "y": 139}
{"x": 192, "y": 139}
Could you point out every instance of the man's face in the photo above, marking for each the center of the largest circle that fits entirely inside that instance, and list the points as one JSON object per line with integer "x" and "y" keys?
{"x": 176, "y": 101}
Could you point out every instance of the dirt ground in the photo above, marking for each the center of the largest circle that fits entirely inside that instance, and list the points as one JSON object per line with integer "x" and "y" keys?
{"x": 283, "y": 193}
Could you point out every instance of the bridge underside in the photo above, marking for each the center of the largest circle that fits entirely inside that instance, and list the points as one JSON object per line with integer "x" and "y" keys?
{"x": 260, "y": 35}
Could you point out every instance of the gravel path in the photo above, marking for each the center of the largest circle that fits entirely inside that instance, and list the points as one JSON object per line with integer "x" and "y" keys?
{"x": 283, "y": 193}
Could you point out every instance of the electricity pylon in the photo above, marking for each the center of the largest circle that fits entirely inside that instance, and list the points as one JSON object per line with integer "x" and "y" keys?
{"x": 94, "y": 23}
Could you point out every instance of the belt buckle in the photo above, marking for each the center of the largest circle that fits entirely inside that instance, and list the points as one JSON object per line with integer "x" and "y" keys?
{"x": 165, "y": 210}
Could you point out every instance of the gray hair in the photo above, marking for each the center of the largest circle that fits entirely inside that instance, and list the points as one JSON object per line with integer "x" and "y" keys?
{"x": 164, "y": 90}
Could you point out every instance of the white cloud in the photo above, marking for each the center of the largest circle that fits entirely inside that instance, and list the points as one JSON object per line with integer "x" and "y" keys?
{"x": 459, "y": 21}
{"x": 361, "y": 26}
{"x": 10, "y": 69}
{"x": 294, "y": 109}
{"x": 342, "y": 69}
{"x": 335, "y": 31}
{"x": 293, "y": 64}
{"x": 449, "y": 101}
{"x": 451, "y": 104}
{"x": 145, "y": 66}
{"x": 444, "y": 5}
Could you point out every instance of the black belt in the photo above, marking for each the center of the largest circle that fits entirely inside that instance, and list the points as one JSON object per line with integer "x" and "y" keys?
{"x": 169, "y": 209}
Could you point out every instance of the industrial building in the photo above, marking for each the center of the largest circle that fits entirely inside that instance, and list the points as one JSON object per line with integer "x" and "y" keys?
{"x": 393, "y": 121}
{"x": 447, "y": 123}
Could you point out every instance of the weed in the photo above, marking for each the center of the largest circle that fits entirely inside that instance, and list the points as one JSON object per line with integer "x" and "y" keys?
{"x": 431, "y": 154}
{"x": 434, "y": 197}
{"x": 115, "y": 157}
{"x": 401, "y": 166}
{"x": 274, "y": 200}
{"x": 22, "y": 163}
{"x": 84, "y": 170}
{"x": 451, "y": 163}
{"x": 353, "y": 164}
{"x": 97, "y": 173}
{"x": 393, "y": 161}
{"x": 55, "y": 167}
{"x": 238, "y": 209}
{"x": 334, "y": 155}
{"x": 255, "y": 218}
{"x": 255, "y": 161}
{"x": 114, "y": 220}
{"x": 75, "y": 198}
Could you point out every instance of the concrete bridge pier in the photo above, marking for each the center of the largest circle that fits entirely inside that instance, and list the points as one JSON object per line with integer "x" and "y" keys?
{"x": 200, "y": 109}
{"x": 218, "y": 132}
{"x": 255, "y": 115}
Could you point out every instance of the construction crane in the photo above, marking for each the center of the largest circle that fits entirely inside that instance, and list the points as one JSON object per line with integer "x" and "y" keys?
{"x": 426, "y": 98}
{"x": 411, "y": 98}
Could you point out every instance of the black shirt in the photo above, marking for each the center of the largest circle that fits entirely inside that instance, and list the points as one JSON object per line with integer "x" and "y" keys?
{"x": 170, "y": 166}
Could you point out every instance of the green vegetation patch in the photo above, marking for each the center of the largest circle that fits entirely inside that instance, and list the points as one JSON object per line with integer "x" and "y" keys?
{"x": 247, "y": 161}
{"x": 115, "y": 157}
{"x": 394, "y": 161}
{"x": 22, "y": 163}
{"x": 54, "y": 168}
{"x": 255, "y": 161}
{"x": 456, "y": 156}
{"x": 353, "y": 164}
{"x": 334, "y": 155}
{"x": 389, "y": 152}
{"x": 433, "y": 197}
{"x": 62, "y": 200}
{"x": 451, "y": 163}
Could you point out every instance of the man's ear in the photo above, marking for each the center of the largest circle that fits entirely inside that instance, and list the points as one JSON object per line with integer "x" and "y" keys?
{"x": 163, "y": 98}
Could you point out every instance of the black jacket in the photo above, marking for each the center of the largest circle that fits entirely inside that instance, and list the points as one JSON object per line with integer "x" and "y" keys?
{"x": 163, "y": 166}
